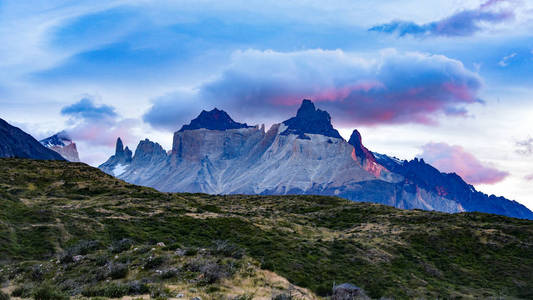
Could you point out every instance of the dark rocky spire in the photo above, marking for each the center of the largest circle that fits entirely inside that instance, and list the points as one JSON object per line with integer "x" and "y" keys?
{"x": 214, "y": 120}
{"x": 310, "y": 120}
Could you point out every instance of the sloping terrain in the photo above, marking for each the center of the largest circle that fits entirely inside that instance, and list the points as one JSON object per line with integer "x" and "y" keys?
{"x": 16, "y": 143}
{"x": 70, "y": 226}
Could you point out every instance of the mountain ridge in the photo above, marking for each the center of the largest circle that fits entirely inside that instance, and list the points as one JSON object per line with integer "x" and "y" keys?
{"x": 302, "y": 155}
{"x": 14, "y": 142}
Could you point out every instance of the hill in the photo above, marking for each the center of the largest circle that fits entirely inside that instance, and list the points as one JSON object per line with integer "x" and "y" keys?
{"x": 68, "y": 228}
{"x": 16, "y": 143}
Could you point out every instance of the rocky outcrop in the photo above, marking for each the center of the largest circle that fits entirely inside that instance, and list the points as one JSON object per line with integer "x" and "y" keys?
{"x": 213, "y": 120}
{"x": 62, "y": 144}
{"x": 117, "y": 164}
{"x": 310, "y": 120}
{"x": 16, "y": 143}
{"x": 348, "y": 291}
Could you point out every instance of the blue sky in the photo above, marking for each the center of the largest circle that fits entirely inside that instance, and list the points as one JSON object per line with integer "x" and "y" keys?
{"x": 449, "y": 81}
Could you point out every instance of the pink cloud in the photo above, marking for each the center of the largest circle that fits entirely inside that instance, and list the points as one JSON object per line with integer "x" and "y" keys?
{"x": 451, "y": 158}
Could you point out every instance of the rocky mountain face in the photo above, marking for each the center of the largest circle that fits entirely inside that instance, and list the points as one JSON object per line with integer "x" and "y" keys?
{"x": 16, "y": 143}
{"x": 62, "y": 144}
{"x": 117, "y": 164}
{"x": 302, "y": 155}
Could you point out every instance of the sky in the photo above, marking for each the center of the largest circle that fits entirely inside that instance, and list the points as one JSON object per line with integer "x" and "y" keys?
{"x": 447, "y": 81}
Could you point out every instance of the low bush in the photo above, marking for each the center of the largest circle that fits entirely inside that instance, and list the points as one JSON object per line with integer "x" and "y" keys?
{"x": 46, "y": 292}
{"x": 118, "y": 271}
{"x": 4, "y": 296}
{"x": 154, "y": 262}
{"x": 121, "y": 245}
{"x": 227, "y": 249}
{"x": 22, "y": 291}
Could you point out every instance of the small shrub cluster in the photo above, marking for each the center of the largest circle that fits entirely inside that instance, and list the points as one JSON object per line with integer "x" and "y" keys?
{"x": 116, "y": 290}
{"x": 46, "y": 292}
{"x": 211, "y": 270}
{"x": 154, "y": 262}
{"x": 117, "y": 271}
{"x": 22, "y": 291}
{"x": 121, "y": 245}
{"x": 4, "y": 296}
{"x": 227, "y": 249}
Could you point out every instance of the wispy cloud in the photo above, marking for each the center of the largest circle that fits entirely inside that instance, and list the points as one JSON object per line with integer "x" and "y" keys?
{"x": 462, "y": 23}
{"x": 387, "y": 88}
{"x": 97, "y": 125}
{"x": 450, "y": 158}
{"x": 504, "y": 62}
{"x": 525, "y": 147}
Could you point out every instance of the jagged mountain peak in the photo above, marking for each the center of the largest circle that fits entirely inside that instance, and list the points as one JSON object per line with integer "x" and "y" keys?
{"x": 62, "y": 143}
{"x": 310, "y": 120}
{"x": 59, "y": 139}
{"x": 214, "y": 119}
{"x": 361, "y": 152}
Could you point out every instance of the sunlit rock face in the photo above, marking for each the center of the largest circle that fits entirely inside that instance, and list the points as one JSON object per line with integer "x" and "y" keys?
{"x": 303, "y": 155}
{"x": 62, "y": 144}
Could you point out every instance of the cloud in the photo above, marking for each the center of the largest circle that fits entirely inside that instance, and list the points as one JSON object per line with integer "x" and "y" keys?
{"x": 462, "y": 23}
{"x": 450, "y": 158}
{"x": 388, "y": 87}
{"x": 525, "y": 147}
{"x": 86, "y": 109}
{"x": 504, "y": 62}
{"x": 97, "y": 125}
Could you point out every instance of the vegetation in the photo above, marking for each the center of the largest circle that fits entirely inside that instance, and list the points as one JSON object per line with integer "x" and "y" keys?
{"x": 82, "y": 232}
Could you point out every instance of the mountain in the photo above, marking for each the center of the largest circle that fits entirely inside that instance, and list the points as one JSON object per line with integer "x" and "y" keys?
{"x": 118, "y": 163}
{"x": 452, "y": 186}
{"x": 75, "y": 230}
{"x": 302, "y": 155}
{"x": 16, "y": 143}
{"x": 62, "y": 144}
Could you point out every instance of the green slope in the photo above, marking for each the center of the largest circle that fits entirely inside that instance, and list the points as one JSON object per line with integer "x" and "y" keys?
{"x": 47, "y": 208}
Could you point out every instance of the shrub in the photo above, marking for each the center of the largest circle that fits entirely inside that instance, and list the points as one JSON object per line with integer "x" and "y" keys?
{"x": 211, "y": 270}
{"x": 21, "y": 291}
{"x": 227, "y": 249}
{"x": 121, "y": 245}
{"x": 36, "y": 273}
{"x": 4, "y": 296}
{"x": 84, "y": 247}
{"x": 111, "y": 290}
{"x": 46, "y": 292}
{"x": 66, "y": 257}
{"x": 137, "y": 287}
{"x": 153, "y": 262}
{"x": 169, "y": 273}
{"x": 118, "y": 271}
{"x": 282, "y": 297}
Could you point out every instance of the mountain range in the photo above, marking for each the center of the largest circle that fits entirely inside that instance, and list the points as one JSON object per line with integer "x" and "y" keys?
{"x": 303, "y": 155}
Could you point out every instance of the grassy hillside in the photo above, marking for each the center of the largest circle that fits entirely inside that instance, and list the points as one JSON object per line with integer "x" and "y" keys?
{"x": 70, "y": 227}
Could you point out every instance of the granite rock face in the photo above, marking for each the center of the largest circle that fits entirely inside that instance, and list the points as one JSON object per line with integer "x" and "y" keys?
{"x": 303, "y": 155}
{"x": 16, "y": 143}
{"x": 62, "y": 144}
